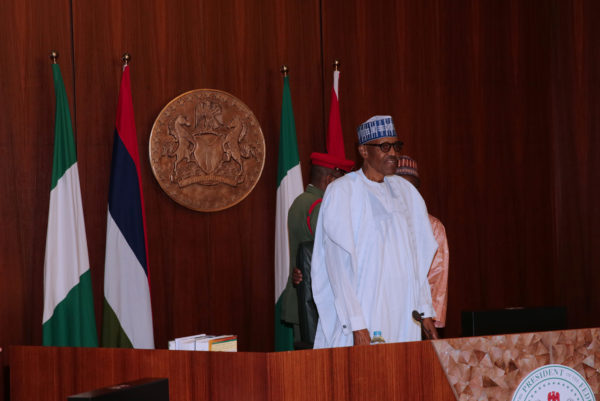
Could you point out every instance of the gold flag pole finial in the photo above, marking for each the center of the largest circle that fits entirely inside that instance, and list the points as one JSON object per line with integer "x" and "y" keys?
{"x": 126, "y": 59}
{"x": 285, "y": 70}
{"x": 336, "y": 65}
{"x": 53, "y": 56}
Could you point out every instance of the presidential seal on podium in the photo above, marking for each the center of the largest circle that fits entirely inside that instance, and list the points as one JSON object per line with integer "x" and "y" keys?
{"x": 207, "y": 150}
{"x": 554, "y": 383}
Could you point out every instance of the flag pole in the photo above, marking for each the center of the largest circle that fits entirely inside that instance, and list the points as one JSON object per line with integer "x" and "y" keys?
{"x": 284, "y": 70}
{"x": 127, "y": 321}
{"x": 68, "y": 317}
{"x": 336, "y": 65}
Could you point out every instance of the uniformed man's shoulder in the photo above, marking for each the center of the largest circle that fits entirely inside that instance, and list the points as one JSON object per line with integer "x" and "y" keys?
{"x": 306, "y": 198}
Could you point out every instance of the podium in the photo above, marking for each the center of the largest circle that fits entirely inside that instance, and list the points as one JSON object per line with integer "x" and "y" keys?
{"x": 464, "y": 368}
{"x": 382, "y": 372}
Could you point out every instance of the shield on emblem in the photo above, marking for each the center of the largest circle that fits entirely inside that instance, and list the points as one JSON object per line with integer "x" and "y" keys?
{"x": 214, "y": 158}
{"x": 208, "y": 152}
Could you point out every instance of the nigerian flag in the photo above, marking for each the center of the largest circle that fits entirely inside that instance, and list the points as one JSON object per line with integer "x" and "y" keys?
{"x": 289, "y": 186}
{"x": 68, "y": 318}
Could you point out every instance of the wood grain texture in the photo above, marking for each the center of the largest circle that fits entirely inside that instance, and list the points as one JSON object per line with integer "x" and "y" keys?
{"x": 210, "y": 272}
{"x": 498, "y": 102}
{"x": 60, "y": 372}
{"x": 29, "y": 31}
{"x": 390, "y": 372}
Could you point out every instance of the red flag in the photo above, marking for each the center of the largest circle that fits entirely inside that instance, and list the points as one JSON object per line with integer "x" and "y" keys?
{"x": 335, "y": 138}
{"x": 127, "y": 318}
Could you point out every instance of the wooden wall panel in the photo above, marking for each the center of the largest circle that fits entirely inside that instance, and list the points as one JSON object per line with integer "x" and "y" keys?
{"x": 496, "y": 102}
{"x": 210, "y": 272}
{"x": 575, "y": 128}
{"x": 29, "y": 30}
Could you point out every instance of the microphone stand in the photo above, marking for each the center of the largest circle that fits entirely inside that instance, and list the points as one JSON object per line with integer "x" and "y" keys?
{"x": 419, "y": 318}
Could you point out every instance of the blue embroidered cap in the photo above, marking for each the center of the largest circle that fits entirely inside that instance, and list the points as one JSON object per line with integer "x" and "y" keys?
{"x": 375, "y": 128}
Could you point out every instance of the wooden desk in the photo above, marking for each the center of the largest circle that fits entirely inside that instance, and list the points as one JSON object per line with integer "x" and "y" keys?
{"x": 383, "y": 372}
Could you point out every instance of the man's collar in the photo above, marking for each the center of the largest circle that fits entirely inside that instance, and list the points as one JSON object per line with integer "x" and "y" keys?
{"x": 314, "y": 190}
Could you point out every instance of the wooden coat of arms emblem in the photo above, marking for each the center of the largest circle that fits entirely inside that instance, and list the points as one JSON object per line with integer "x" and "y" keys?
{"x": 207, "y": 150}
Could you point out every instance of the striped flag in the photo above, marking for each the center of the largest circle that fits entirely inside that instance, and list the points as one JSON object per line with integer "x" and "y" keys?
{"x": 68, "y": 318}
{"x": 289, "y": 186}
{"x": 127, "y": 320}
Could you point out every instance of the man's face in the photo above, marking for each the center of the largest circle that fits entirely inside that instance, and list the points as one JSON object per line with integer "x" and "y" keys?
{"x": 334, "y": 175}
{"x": 384, "y": 163}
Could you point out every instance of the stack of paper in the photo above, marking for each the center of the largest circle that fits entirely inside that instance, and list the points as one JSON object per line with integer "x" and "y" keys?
{"x": 220, "y": 343}
{"x": 205, "y": 342}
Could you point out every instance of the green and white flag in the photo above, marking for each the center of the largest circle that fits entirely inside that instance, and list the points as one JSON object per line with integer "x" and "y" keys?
{"x": 289, "y": 186}
{"x": 68, "y": 318}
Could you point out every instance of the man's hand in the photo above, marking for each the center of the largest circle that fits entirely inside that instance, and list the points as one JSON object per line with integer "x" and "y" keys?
{"x": 429, "y": 329}
{"x": 296, "y": 276}
{"x": 361, "y": 337}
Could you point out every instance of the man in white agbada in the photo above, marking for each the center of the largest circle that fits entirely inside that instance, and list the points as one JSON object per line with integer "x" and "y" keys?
{"x": 373, "y": 249}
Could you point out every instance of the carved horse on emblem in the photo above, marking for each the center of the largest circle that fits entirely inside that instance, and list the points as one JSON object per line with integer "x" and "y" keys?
{"x": 185, "y": 141}
{"x": 233, "y": 147}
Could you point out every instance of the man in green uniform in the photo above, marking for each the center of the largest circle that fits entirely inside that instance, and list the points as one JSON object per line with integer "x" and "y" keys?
{"x": 302, "y": 221}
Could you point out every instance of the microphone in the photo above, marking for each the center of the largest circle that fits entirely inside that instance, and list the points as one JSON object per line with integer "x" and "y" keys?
{"x": 419, "y": 318}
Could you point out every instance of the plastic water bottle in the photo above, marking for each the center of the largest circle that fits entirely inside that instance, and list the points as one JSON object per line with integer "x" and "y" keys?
{"x": 377, "y": 338}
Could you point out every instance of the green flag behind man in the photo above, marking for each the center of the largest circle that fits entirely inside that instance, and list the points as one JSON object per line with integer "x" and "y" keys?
{"x": 68, "y": 318}
{"x": 289, "y": 186}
